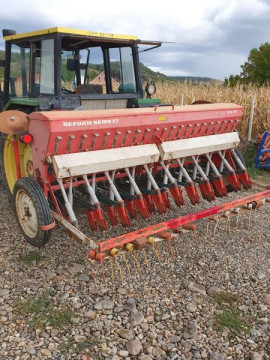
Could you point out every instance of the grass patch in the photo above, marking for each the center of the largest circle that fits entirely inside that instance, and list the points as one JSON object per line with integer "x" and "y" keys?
{"x": 230, "y": 318}
{"x": 249, "y": 155}
{"x": 72, "y": 345}
{"x": 80, "y": 261}
{"x": 259, "y": 174}
{"x": 255, "y": 173}
{"x": 41, "y": 312}
{"x": 224, "y": 297}
{"x": 32, "y": 256}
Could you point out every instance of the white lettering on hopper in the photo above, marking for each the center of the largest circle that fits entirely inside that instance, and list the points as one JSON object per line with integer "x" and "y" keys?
{"x": 89, "y": 122}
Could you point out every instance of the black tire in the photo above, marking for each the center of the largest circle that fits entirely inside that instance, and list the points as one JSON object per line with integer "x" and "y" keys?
{"x": 32, "y": 211}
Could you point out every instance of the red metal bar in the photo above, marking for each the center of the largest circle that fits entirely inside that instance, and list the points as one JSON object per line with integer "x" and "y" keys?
{"x": 126, "y": 238}
{"x": 47, "y": 185}
{"x": 17, "y": 158}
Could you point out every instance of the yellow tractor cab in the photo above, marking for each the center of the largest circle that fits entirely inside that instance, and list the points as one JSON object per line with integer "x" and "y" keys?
{"x": 61, "y": 68}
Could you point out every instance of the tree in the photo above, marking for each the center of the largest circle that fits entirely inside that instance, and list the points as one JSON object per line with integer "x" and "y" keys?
{"x": 256, "y": 69}
{"x": 232, "y": 81}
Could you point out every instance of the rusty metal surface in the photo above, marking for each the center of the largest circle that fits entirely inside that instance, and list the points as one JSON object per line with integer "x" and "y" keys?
{"x": 13, "y": 122}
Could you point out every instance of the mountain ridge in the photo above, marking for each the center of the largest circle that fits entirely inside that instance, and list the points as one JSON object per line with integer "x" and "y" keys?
{"x": 146, "y": 72}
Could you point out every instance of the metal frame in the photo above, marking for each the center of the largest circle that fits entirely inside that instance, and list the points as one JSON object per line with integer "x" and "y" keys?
{"x": 7, "y": 72}
{"x": 120, "y": 241}
{"x": 262, "y": 158}
{"x": 186, "y": 221}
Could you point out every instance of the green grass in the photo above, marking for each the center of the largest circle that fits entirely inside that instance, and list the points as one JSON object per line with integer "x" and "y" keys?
{"x": 72, "y": 345}
{"x": 30, "y": 257}
{"x": 41, "y": 312}
{"x": 249, "y": 155}
{"x": 231, "y": 317}
{"x": 80, "y": 261}
{"x": 232, "y": 320}
{"x": 257, "y": 173}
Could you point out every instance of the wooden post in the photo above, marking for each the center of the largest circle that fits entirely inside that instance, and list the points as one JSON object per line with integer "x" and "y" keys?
{"x": 182, "y": 100}
{"x": 251, "y": 119}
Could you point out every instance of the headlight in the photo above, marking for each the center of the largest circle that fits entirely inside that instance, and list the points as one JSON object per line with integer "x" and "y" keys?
{"x": 150, "y": 88}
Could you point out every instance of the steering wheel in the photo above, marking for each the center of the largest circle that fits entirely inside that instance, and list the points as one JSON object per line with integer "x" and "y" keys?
{"x": 66, "y": 91}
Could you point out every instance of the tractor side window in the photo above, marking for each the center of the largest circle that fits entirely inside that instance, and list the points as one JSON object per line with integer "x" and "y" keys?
{"x": 47, "y": 67}
{"x": 68, "y": 80}
{"x": 95, "y": 72}
{"x": 122, "y": 70}
{"x": 19, "y": 71}
{"x": 35, "y": 69}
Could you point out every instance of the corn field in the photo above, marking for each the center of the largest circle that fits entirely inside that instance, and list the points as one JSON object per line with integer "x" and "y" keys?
{"x": 171, "y": 93}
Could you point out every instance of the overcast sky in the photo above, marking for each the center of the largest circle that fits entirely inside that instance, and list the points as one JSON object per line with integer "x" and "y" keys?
{"x": 208, "y": 37}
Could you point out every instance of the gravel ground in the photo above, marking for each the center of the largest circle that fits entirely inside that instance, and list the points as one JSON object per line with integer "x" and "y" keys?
{"x": 212, "y": 301}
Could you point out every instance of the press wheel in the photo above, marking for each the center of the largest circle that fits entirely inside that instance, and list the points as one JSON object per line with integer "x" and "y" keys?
{"x": 32, "y": 211}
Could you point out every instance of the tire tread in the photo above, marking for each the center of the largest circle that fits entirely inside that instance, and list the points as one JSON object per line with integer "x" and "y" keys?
{"x": 35, "y": 192}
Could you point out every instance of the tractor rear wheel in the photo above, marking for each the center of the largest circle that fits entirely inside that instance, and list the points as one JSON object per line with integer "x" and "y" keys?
{"x": 12, "y": 169}
{"x": 32, "y": 211}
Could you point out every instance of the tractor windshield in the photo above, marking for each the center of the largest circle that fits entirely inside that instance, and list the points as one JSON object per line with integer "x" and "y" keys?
{"x": 98, "y": 70}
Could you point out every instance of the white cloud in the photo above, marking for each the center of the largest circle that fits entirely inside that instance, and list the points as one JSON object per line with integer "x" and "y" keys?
{"x": 210, "y": 37}
{"x": 241, "y": 8}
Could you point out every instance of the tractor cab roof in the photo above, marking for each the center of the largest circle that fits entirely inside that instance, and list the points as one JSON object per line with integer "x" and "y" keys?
{"x": 80, "y": 38}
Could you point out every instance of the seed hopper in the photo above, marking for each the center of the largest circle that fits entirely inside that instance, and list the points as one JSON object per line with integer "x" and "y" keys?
{"x": 115, "y": 157}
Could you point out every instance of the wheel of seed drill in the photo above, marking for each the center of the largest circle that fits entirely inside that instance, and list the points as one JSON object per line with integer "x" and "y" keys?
{"x": 32, "y": 212}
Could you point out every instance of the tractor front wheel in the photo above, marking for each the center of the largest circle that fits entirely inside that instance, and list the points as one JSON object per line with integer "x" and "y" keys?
{"x": 32, "y": 211}
{"x": 16, "y": 161}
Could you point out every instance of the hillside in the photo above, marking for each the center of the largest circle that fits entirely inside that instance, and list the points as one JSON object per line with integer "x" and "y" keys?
{"x": 147, "y": 73}
{"x": 193, "y": 79}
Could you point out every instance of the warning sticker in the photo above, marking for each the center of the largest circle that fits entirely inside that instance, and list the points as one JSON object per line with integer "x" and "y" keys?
{"x": 162, "y": 118}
